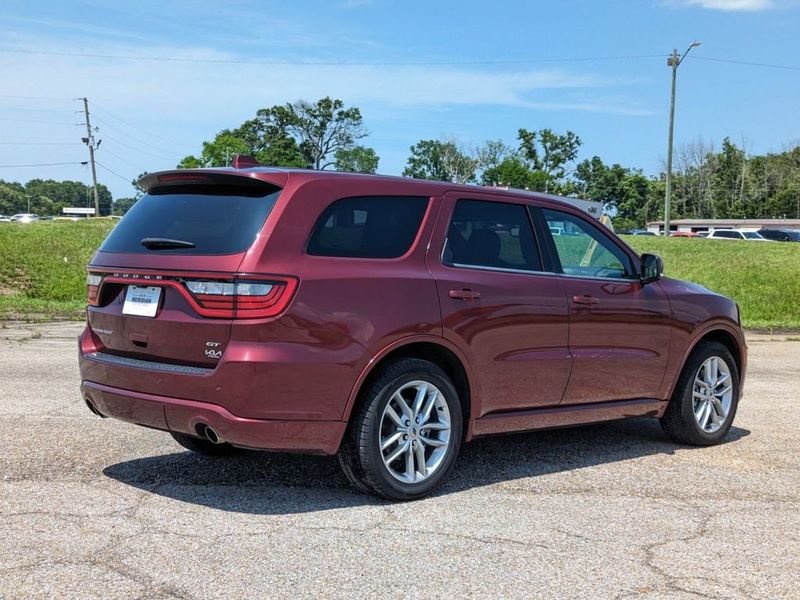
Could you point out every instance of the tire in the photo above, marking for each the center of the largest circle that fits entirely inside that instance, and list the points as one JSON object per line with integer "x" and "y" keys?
{"x": 436, "y": 446}
{"x": 201, "y": 446}
{"x": 680, "y": 421}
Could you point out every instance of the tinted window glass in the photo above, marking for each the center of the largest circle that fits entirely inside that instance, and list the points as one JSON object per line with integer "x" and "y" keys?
{"x": 584, "y": 250}
{"x": 491, "y": 234}
{"x": 368, "y": 227}
{"x": 215, "y": 220}
{"x": 728, "y": 234}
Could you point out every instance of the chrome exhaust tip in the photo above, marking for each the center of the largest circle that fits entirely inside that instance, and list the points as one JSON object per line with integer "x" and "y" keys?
{"x": 209, "y": 433}
{"x": 90, "y": 405}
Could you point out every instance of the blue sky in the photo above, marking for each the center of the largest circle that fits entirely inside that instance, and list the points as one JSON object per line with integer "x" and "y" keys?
{"x": 152, "y": 112}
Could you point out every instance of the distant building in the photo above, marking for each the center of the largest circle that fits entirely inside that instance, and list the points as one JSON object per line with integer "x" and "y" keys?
{"x": 701, "y": 225}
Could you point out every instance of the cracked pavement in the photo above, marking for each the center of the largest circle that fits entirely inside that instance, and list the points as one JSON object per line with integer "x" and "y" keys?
{"x": 93, "y": 508}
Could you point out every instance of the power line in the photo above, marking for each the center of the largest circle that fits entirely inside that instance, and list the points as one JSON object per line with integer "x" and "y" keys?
{"x": 139, "y": 150}
{"x": 132, "y": 126}
{"x": 41, "y": 165}
{"x": 121, "y": 158}
{"x": 34, "y": 97}
{"x": 40, "y": 143}
{"x": 133, "y": 137}
{"x": 746, "y": 63}
{"x": 102, "y": 166}
{"x": 262, "y": 61}
{"x": 37, "y": 121}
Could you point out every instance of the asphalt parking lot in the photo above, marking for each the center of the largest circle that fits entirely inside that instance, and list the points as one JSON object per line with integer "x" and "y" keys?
{"x": 93, "y": 508}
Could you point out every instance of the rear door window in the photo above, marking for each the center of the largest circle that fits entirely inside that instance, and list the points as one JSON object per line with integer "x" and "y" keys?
{"x": 368, "y": 227}
{"x": 212, "y": 220}
{"x": 497, "y": 235}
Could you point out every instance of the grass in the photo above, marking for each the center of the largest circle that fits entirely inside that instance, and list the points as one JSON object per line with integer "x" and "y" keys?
{"x": 42, "y": 267}
{"x": 43, "y": 277}
{"x": 763, "y": 278}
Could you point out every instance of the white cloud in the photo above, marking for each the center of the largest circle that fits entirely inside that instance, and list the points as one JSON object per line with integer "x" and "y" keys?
{"x": 190, "y": 101}
{"x": 731, "y": 5}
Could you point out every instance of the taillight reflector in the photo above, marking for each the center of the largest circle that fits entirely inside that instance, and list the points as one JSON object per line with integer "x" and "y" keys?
{"x": 93, "y": 281}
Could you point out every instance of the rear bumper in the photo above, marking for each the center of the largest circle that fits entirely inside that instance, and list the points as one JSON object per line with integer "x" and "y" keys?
{"x": 183, "y": 416}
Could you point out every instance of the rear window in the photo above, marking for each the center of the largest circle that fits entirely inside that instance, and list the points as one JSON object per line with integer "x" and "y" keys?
{"x": 215, "y": 220}
{"x": 368, "y": 227}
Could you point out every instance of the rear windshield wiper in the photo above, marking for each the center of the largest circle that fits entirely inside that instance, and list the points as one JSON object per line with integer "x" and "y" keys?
{"x": 163, "y": 243}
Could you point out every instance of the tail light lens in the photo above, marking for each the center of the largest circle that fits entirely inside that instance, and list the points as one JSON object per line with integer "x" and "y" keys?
{"x": 93, "y": 281}
{"x": 242, "y": 299}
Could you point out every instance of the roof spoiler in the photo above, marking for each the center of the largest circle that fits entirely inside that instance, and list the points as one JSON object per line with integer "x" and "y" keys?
{"x": 203, "y": 177}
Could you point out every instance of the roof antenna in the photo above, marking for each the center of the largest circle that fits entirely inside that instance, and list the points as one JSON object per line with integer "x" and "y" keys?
{"x": 243, "y": 161}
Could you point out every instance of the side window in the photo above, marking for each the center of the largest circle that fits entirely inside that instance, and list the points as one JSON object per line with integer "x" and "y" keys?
{"x": 491, "y": 234}
{"x": 583, "y": 249}
{"x": 368, "y": 227}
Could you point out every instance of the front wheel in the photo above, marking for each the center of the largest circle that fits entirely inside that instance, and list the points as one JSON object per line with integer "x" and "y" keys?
{"x": 406, "y": 435}
{"x": 705, "y": 400}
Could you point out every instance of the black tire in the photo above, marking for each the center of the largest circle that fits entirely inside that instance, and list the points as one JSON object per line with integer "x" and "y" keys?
{"x": 679, "y": 421}
{"x": 360, "y": 455}
{"x": 201, "y": 446}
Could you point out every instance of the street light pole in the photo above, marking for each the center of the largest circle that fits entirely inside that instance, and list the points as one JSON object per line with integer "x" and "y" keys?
{"x": 674, "y": 60}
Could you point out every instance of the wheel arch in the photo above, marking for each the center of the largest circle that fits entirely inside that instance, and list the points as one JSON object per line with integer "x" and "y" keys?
{"x": 725, "y": 335}
{"x": 435, "y": 350}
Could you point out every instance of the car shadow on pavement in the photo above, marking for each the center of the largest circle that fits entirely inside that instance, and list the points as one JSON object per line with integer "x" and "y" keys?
{"x": 272, "y": 483}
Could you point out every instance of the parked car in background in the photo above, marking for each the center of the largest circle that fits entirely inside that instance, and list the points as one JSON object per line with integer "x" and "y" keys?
{"x": 780, "y": 235}
{"x": 5, "y": 219}
{"x": 389, "y": 320}
{"x": 735, "y": 234}
{"x": 25, "y": 218}
{"x": 684, "y": 234}
{"x": 641, "y": 232}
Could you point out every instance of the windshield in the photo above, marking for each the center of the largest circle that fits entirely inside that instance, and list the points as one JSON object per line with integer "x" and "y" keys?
{"x": 212, "y": 220}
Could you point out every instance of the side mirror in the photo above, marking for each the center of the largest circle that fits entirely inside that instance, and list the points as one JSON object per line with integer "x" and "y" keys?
{"x": 652, "y": 267}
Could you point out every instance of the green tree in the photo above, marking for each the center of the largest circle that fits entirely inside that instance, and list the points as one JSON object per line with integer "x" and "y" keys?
{"x": 299, "y": 134}
{"x": 512, "y": 172}
{"x": 440, "y": 161}
{"x": 357, "y": 159}
{"x": 123, "y": 205}
{"x": 549, "y": 153}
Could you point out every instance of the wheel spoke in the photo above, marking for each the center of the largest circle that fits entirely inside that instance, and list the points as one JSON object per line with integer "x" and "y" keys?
{"x": 718, "y": 408}
{"x": 401, "y": 402}
{"x": 386, "y": 442}
{"x": 420, "y": 452}
{"x": 722, "y": 392}
{"x": 397, "y": 452}
{"x": 426, "y": 410}
{"x": 410, "y": 471}
{"x": 698, "y": 395}
{"x": 698, "y": 411}
{"x": 394, "y": 416}
{"x": 422, "y": 391}
{"x": 432, "y": 442}
{"x": 712, "y": 372}
{"x": 437, "y": 426}
{"x": 706, "y": 414}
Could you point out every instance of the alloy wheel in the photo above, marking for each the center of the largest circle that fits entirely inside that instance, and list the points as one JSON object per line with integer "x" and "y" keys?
{"x": 414, "y": 433}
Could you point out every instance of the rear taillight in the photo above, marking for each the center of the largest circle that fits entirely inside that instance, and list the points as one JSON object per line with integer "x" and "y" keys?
{"x": 242, "y": 299}
{"x": 93, "y": 281}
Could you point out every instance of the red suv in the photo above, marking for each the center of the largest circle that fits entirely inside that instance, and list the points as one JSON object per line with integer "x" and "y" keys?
{"x": 388, "y": 321}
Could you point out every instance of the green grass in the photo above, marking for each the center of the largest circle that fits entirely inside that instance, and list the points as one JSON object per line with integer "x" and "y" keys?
{"x": 42, "y": 271}
{"x": 42, "y": 267}
{"x": 763, "y": 278}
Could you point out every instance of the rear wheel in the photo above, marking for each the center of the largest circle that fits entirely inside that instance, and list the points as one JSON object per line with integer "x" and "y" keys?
{"x": 705, "y": 400}
{"x": 201, "y": 446}
{"x": 406, "y": 435}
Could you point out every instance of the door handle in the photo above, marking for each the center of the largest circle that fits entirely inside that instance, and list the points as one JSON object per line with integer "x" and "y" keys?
{"x": 585, "y": 300}
{"x": 465, "y": 294}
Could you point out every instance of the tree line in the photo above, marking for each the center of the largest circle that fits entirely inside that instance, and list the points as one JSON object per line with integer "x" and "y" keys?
{"x": 708, "y": 182}
{"x": 48, "y": 197}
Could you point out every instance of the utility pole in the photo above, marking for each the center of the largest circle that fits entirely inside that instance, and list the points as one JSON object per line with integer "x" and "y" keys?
{"x": 89, "y": 141}
{"x": 674, "y": 60}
